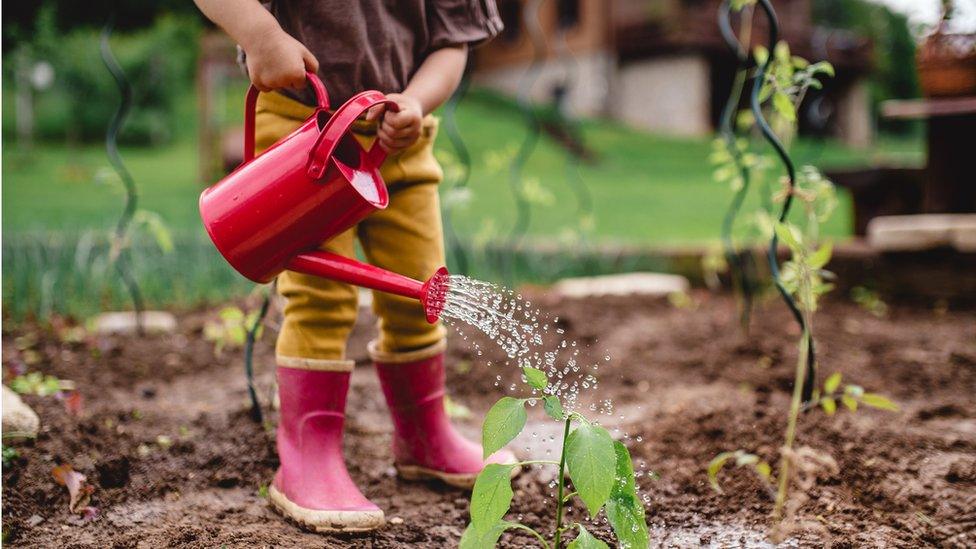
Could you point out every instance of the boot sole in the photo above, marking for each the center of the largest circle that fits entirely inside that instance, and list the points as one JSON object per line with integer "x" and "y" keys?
{"x": 465, "y": 481}
{"x": 325, "y": 521}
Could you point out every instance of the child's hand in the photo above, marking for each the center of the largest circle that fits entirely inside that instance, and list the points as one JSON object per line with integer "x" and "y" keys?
{"x": 275, "y": 60}
{"x": 398, "y": 130}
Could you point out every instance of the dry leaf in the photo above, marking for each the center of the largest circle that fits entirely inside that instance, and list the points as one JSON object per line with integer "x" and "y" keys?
{"x": 78, "y": 489}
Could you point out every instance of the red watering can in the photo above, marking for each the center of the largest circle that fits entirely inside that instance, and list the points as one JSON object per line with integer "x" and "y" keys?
{"x": 273, "y": 212}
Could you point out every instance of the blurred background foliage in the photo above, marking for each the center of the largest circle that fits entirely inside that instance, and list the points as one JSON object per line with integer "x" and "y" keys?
{"x": 60, "y": 199}
{"x": 157, "y": 44}
{"x": 159, "y": 60}
{"x": 894, "y": 75}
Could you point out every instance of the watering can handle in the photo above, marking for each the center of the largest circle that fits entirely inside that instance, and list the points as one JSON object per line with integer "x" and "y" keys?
{"x": 250, "y": 102}
{"x": 335, "y": 128}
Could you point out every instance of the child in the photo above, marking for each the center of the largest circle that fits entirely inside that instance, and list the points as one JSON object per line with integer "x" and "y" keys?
{"x": 415, "y": 52}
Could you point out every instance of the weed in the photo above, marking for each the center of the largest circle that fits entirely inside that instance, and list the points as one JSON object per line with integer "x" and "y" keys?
{"x": 10, "y": 454}
{"x": 587, "y": 449}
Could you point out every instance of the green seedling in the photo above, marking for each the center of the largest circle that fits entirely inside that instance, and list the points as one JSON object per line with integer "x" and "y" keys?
{"x": 36, "y": 383}
{"x": 870, "y": 301}
{"x": 230, "y": 329}
{"x": 10, "y": 454}
{"x": 587, "y": 449}
{"x": 850, "y": 397}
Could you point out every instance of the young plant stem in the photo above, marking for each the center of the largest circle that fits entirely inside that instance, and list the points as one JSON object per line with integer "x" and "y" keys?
{"x": 539, "y": 462}
{"x": 532, "y": 531}
{"x": 797, "y": 400}
{"x": 560, "y": 503}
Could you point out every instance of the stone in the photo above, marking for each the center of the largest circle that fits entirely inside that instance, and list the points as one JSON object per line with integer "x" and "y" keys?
{"x": 125, "y": 322}
{"x": 963, "y": 234}
{"x": 649, "y": 284}
{"x": 912, "y": 233}
{"x": 19, "y": 420}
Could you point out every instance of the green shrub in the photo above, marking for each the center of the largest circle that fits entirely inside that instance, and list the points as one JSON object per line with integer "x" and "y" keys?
{"x": 158, "y": 62}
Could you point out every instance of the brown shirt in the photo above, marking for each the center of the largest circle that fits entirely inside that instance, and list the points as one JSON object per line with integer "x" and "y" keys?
{"x": 380, "y": 44}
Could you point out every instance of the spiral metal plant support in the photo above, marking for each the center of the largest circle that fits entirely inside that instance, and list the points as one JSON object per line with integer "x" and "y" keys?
{"x": 463, "y": 154}
{"x": 574, "y": 179}
{"x": 522, "y": 206}
{"x": 122, "y": 261}
{"x": 249, "y": 342}
{"x": 737, "y": 263}
{"x": 788, "y": 165}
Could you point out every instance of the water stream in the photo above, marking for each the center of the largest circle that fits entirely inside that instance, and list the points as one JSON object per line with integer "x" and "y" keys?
{"x": 530, "y": 337}
{"x": 521, "y": 331}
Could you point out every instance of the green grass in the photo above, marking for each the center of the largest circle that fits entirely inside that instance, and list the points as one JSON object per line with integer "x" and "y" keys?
{"x": 646, "y": 189}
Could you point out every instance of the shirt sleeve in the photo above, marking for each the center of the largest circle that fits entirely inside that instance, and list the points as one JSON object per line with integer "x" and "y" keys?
{"x": 456, "y": 22}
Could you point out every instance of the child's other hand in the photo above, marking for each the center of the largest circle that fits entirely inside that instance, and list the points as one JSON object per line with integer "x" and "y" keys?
{"x": 398, "y": 130}
{"x": 275, "y": 60}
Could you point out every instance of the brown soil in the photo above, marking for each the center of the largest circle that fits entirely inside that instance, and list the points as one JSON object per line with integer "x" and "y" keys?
{"x": 687, "y": 383}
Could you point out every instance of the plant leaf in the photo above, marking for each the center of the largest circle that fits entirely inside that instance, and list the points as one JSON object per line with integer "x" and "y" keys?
{"x": 535, "y": 377}
{"x": 553, "y": 407}
{"x": 492, "y": 496}
{"x": 849, "y": 402}
{"x": 784, "y": 106}
{"x": 715, "y": 466}
{"x": 821, "y": 257}
{"x": 832, "y": 382}
{"x": 504, "y": 422}
{"x": 764, "y": 470}
{"x": 589, "y": 449}
{"x": 761, "y": 54}
{"x": 474, "y": 538}
{"x": 624, "y": 471}
{"x": 787, "y": 235}
{"x": 625, "y": 512}
{"x": 822, "y": 67}
{"x": 829, "y": 405}
{"x": 585, "y": 540}
{"x": 875, "y": 400}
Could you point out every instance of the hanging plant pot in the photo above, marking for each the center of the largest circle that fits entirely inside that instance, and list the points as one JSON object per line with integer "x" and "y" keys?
{"x": 947, "y": 64}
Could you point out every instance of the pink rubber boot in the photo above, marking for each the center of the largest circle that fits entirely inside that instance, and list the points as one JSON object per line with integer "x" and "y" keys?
{"x": 312, "y": 486}
{"x": 425, "y": 444}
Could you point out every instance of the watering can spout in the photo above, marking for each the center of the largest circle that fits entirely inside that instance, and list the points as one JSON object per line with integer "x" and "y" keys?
{"x": 431, "y": 293}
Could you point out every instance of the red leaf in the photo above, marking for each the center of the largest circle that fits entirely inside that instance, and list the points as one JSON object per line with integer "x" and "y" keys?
{"x": 74, "y": 403}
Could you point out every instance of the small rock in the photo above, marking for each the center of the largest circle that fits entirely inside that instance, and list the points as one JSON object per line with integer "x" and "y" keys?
{"x": 34, "y": 520}
{"x": 125, "y": 322}
{"x": 964, "y": 233}
{"x": 19, "y": 420}
{"x": 396, "y": 520}
{"x": 651, "y": 284}
{"x": 909, "y": 233}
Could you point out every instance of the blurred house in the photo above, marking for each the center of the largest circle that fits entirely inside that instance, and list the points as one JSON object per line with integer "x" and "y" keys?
{"x": 661, "y": 65}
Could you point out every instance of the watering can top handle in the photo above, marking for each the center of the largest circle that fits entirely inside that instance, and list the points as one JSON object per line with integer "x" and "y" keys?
{"x": 250, "y": 103}
{"x": 339, "y": 123}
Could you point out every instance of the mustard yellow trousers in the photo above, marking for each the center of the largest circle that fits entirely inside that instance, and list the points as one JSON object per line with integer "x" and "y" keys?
{"x": 405, "y": 238}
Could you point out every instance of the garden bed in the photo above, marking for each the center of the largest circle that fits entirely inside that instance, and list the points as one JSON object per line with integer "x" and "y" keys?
{"x": 165, "y": 437}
